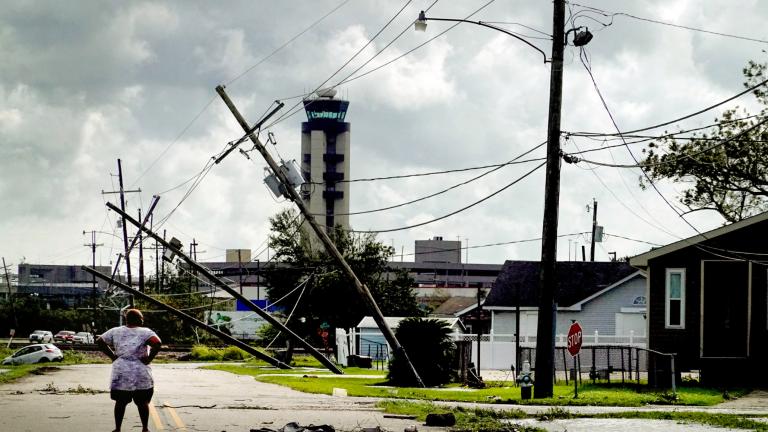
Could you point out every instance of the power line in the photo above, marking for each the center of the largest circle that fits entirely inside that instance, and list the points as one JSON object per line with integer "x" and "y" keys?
{"x": 498, "y": 167}
{"x": 208, "y": 104}
{"x": 676, "y": 159}
{"x": 457, "y": 211}
{"x": 588, "y": 68}
{"x": 291, "y": 111}
{"x": 610, "y": 14}
{"x": 694, "y": 114}
{"x": 288, "y": 42}
{"x": 353, "y": 78}
{"x": 431, "y": 173}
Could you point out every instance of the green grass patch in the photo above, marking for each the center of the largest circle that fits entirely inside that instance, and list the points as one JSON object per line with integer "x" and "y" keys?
{"x": 467, "y": 420}
{"x": 323, "y": 382}
{"x": 733, "y": 421}
{"x": 491, "y": 420}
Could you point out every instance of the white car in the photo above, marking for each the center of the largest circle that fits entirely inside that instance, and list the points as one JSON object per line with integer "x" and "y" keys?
{"x": 38, "y": 353}
{"x": 40, "y": 336}
{"x": 82, "y": 338}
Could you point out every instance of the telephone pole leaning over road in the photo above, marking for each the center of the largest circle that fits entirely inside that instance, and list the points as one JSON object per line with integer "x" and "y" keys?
{"x": 322, "y": 235}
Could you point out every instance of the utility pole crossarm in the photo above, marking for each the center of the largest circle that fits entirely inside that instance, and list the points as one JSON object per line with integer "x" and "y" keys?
{"x": 362, "y": 290}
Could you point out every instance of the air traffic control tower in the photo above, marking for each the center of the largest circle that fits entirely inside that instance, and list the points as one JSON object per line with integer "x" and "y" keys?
{"x": 325, "y": 159}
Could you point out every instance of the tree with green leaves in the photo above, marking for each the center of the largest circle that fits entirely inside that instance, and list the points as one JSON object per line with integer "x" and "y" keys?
{"x": 180, "y": 291}
{"x": 726, "y": 168}
{"x": 431, "y": 351}
{"x": 328, "y": 296}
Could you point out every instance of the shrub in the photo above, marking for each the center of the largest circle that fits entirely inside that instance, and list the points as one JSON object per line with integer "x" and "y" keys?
{"x": 234, "y": 353}
{"x": 430, "y": 349}
{"x": 204, "y": 353}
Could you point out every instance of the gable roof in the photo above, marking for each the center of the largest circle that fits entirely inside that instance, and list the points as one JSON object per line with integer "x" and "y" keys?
{"x": 369, "y": 323}
{"x": 576, "y": 281}
{"x": 641, "y": 260}
{"x": 452, "y": 305}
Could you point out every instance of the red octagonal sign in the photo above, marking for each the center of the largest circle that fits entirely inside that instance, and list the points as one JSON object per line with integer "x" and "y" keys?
{"x": 574, "y": 339}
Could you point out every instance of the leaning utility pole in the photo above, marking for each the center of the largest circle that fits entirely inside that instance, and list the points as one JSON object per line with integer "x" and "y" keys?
{"x": 545, "y": 341}
{"x": 191, "y": 320}
{"x": 10, "y": 295}
{"x": 218, "y": 282}
{"x": 141, "y": 258}
{"x": 322, "y": 235}
{"x": 122, "y": 193}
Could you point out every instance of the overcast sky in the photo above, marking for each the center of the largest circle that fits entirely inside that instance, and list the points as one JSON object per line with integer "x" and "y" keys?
{"x": 84, "y": 83}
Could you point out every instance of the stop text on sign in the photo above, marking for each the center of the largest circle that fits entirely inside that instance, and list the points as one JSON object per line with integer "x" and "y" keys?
{"x": 574, "y": 339}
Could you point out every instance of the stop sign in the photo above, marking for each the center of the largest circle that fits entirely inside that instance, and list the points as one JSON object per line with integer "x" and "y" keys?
{"x": 574, "y": 339}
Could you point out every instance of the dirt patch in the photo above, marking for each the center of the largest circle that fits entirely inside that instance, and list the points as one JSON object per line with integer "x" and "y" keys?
{"x": 45, "y": 370}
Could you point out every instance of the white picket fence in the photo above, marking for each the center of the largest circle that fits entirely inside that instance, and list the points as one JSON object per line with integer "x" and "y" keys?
{"x": 497, "y": 351}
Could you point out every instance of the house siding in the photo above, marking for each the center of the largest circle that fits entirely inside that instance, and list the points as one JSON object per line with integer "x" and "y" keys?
{"x": 683, "y": 342}
{"x": 686, "y": 343}
{"x": 600, "y": 313}
{"x": 597, "y": 314}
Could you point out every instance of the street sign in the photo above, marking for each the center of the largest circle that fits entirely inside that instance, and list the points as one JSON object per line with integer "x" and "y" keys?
{"x": 574, "y": 339}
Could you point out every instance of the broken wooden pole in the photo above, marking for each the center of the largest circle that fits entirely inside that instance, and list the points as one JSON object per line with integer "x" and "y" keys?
{"x": 191, "y": 320}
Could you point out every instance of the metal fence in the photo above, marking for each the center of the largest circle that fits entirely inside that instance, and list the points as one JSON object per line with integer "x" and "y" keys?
{"x": 610, "y": 363}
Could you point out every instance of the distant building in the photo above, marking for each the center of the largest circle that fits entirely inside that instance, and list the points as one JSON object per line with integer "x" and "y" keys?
{"x": 449, "y": 279}
{"x": 64, "y": 285}
{"x": 238, "y": 255}
{"x": 325, "y": 159}
{"x": 438, "y": 250}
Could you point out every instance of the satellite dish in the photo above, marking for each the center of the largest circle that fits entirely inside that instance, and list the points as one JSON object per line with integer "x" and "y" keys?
{"x": 327, "y": 93}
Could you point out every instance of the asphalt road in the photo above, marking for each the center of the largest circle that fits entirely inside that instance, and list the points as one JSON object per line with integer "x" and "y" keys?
{"x": 75, "y": 398}
{"x": 186, "y": 398}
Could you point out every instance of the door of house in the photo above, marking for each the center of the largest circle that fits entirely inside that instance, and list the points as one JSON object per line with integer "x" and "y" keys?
{"x": 725, "y": 309}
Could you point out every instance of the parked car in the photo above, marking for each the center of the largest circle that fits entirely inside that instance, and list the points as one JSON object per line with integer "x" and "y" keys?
{"x": 41, "y": 336}
{"x": 64, "y": 336}
{"x": 82, "y": 338}
{"x": 38, "y": 353}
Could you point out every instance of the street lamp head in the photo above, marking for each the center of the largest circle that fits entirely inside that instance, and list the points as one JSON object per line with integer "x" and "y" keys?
{"x": 421, "y": 23}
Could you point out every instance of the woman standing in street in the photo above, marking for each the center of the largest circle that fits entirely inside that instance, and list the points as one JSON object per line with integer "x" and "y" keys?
{"x": 134, "y": 349}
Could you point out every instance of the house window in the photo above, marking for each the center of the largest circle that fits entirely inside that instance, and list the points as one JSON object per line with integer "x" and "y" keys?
{"x": 639, "y": 301}
{"x": 675, "y": 298}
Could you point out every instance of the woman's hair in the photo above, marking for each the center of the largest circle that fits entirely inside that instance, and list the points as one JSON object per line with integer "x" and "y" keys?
{"x": 134, "y": 317}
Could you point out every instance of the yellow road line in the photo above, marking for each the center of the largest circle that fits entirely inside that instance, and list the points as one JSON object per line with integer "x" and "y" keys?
{"x": 176, "y": 419}
{"x": 155, "y": 417}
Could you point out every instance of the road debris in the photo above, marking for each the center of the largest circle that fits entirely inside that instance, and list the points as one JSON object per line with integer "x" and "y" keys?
{"x": 295, "y": 427}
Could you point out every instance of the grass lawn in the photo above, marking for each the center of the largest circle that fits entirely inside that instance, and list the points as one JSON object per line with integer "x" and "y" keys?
{"x": 490, "y": 420}
{"x": 589, "y": 394}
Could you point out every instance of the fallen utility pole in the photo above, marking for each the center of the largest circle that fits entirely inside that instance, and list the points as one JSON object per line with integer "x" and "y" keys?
{"x": 191, "y": 320}
{"x": 362, "y": 290}
{"x": 221, "y": 284}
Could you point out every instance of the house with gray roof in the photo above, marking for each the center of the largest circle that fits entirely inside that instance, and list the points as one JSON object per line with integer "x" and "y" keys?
{"x": 606, "y": 298}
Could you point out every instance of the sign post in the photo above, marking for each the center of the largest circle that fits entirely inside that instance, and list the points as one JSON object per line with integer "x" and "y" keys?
{"x": 574, "y": 347}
